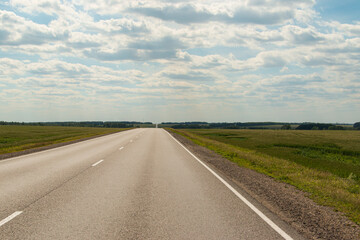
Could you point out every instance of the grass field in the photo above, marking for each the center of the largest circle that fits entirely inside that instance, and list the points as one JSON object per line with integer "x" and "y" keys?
{"x": 326, "y": 164}
{"x": 337, "y": 152}
{"x": 18, "y": 138}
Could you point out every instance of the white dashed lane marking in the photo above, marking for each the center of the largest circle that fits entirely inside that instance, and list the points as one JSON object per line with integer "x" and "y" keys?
{"x": 9, "y": 218}
{"x": 97, "y": 162}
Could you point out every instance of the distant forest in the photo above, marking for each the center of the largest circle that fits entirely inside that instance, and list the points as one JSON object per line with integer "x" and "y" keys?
{"x": 224, "y": 125}
{"x": 262, "y": 125}
{"x": 112, "y": 124}
{"x": 196, "y": 125}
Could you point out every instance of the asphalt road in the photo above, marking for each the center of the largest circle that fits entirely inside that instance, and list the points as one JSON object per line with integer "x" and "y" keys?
{"x": 137, "y": 184}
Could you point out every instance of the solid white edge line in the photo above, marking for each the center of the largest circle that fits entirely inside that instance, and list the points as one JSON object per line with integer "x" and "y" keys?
{"x": 250, "y": 205}
{"x": 97, "y": 162}
{"x": 9, "y": 218}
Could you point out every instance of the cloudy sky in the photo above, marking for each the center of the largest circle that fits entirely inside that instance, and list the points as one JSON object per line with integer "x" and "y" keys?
{"x": 180, "y": 60}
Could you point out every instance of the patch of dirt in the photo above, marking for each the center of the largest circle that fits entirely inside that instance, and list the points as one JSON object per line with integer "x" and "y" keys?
{"x": 33, "y": 150}
{"x": 290, "y": 204}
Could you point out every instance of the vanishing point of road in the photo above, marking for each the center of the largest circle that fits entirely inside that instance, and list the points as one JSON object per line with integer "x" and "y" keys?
{"x": 136, "y": 184}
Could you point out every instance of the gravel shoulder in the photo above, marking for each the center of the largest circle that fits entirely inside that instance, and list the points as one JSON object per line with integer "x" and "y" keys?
{"x": 290, "y": 204}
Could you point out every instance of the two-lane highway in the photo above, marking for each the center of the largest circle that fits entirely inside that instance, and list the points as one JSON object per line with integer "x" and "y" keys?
{"x": 138, "y": 184}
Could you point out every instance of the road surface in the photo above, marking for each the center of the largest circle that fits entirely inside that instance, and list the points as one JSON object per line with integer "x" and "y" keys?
{"x": 137, "y": 184}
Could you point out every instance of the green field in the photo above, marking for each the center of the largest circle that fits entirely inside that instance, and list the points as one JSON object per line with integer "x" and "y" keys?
{"x": 18, "y": 138}
{"x": 337, "y": 152}
{"x": 326, "y": 164}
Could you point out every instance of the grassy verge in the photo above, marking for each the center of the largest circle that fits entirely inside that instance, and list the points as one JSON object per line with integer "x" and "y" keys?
{"x": 19, "y": 138}
{"x": 323, "y": 186}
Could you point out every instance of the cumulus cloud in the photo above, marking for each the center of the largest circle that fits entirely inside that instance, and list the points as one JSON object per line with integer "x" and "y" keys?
{"x": 122, "y": 26}
{"x": 187, "y": 14}
{"x": 352, "y": 30}
{"x": 50, "y": 7}
{"x": 243, "y": 54}
{"x": 9, "y": 67}
{"x": 298, "y": 35}
{"x": 17, "y": 30}
{"x": 131, "y": 54}
{"x": 164, "y": 48}
{"x": 188, "y": 75}
{"x": 166, "y": 43}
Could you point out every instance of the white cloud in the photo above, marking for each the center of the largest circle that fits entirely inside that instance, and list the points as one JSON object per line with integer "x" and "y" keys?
{"x": 251, "y": 55}
{"x": 190, "y": 13}
{"x": 16, "y": 30}
{"x": 352, "y": 30}
{"x": 10, "y": 67}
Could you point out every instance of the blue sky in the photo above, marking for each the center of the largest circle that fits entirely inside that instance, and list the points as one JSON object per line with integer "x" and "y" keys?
{"x": 158, "y": 60}
{"x": 345, "y": 11}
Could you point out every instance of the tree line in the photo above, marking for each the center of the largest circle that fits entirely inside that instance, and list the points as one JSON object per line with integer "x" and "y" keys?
{"x": 259, "y": 125}
{"x": 192, "y": 125}
{"x": 101, "y": 124}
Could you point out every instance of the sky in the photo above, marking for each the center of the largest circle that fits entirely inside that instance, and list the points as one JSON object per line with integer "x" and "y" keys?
{"x": 180, "y": 60}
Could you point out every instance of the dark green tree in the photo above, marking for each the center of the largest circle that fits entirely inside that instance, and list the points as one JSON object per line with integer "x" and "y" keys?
{"x": 286, "y": 127}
